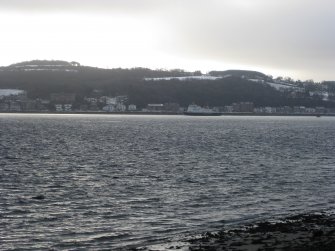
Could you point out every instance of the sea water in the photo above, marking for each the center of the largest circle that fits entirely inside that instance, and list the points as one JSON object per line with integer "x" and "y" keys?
{"x": 76, "y": 182}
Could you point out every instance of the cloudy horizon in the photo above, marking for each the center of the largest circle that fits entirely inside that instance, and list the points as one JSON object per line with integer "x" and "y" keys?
{"x": 277, "y": 37}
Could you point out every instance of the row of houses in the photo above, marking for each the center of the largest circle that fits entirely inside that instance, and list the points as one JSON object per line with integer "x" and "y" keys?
{"x": 293, "y": 110}
{"x": 248, "y": 107}
{"x": 12, "y": 100}
{"x": 17, "y": 101}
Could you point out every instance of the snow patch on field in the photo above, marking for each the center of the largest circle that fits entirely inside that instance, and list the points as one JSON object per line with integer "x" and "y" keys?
{"x": 9, "y": 92}
{"x": 204, "y": 77}
{"x": 66, "y": 70}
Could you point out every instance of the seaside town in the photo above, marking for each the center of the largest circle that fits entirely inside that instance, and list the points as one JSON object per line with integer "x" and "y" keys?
{"x": 14, "y": 100}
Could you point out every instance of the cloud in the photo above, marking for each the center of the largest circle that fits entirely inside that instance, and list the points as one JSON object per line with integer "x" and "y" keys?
{"x": 277, "y": 34}
{"x": 81, "y": 5}
{"x": 281, "y": 34}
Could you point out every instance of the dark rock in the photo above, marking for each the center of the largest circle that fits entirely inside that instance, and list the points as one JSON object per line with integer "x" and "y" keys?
{"x": 303, "y": 232}
{"x": 317, "y": 233}
{"x": 257, "y": 241}
{"x": 39, "y": 197}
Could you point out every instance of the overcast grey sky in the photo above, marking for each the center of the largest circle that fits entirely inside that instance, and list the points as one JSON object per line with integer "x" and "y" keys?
{"x": 293, "y": 38}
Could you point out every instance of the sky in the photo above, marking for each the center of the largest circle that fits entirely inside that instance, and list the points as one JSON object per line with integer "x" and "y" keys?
{"x": 294, "y": 38}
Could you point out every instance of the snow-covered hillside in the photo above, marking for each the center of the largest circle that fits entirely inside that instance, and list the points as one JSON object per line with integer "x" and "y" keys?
{"x": 43, "y": 65}
{"x": 9, "y": 92}
{"x": 202, "y": 77}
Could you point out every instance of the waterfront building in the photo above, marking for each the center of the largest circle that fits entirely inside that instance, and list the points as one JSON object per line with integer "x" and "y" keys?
{"x": 132, "y": 107}
{"x": 121, "y": 107}
{"x": 155, "y": 107}
{"x": 320, "y": 109}
{"x": 58, "y": 107}
{"x": 228, "y": 108}
{"x": 67, "y": 107}
{"x": 109, "y": 108}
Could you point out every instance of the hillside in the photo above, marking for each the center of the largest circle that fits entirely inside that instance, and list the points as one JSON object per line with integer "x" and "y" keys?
{"x": 142, "y": 86}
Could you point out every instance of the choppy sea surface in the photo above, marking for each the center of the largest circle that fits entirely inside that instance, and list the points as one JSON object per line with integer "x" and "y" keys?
{"x": 77, "y": 182}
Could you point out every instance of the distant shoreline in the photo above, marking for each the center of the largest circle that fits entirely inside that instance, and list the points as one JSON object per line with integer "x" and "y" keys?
{"x": 175, "y": 113}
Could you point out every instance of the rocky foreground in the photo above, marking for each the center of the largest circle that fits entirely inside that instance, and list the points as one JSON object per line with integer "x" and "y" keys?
{"x": 306, "y": 232}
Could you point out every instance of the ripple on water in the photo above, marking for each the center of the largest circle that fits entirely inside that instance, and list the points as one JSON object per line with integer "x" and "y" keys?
{"x": 118, "y": 181}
